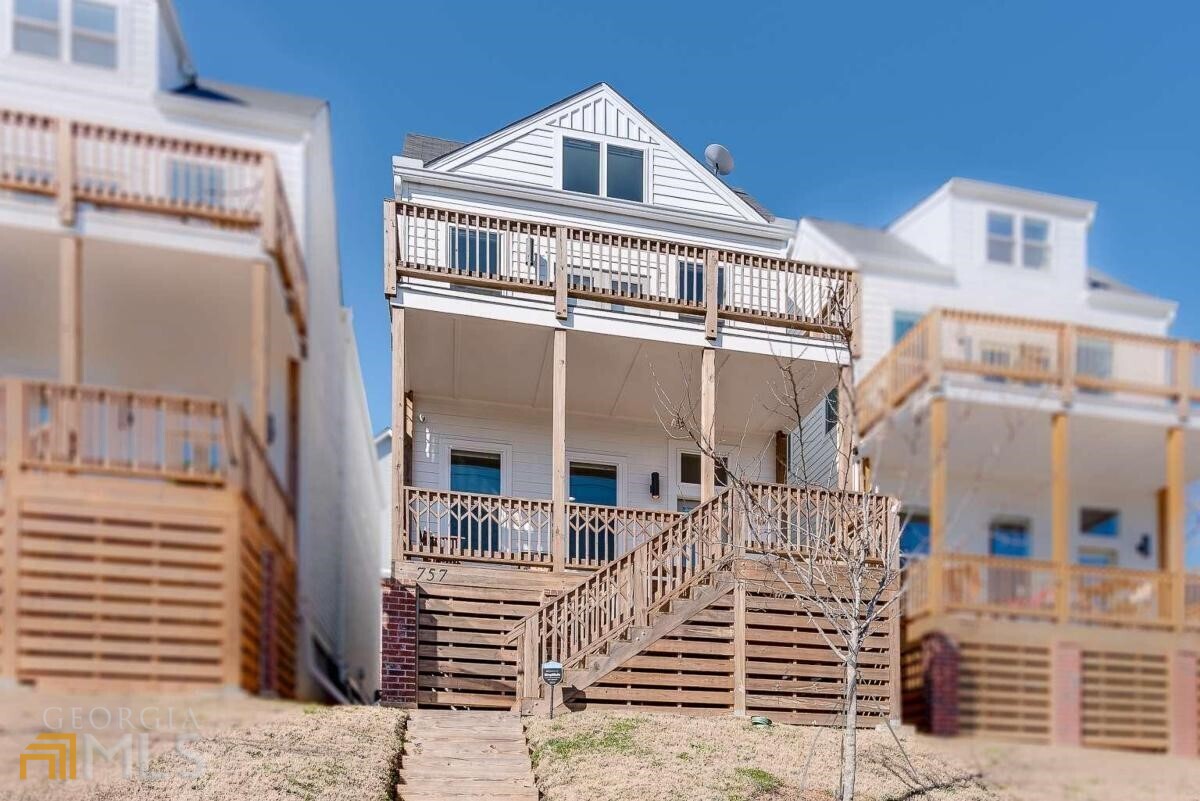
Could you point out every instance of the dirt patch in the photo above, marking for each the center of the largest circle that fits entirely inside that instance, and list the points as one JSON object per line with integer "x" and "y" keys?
{"x": 232, "y": 749}
{"x": 590, "y": 756}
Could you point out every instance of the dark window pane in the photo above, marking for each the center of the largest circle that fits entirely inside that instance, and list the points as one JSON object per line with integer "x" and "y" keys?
{"x": 1100, "y": 522}
{"x": 1098, "y": 557}
{"x": 689, "y": 468}
{"x": 471, "y": 471}
{"x": 625, "y": 178}
{"x": 1000, "y": 225}
{"x": 914, "y": 537}
{"x": 1034, "y": 230}
{"x": 690, "y": 282}
{"x": 96, "y": 52}
{"x": 831, "y": 410}
{"x": 581, "y": 166}
{"x": 593, "y": 483}
{"x": 35, "y": 40}
{"x": 475, "y": 251}
{"x": 902, "y": 323}
{"x": 1094, "y": 358}
{"x": 1009, "y": 539}
{"x": 44, "y": 10}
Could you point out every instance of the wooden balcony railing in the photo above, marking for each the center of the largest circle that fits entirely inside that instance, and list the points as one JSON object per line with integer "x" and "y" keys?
{"x": 1034, "y": 355}
{"x": 626, "y": 271}
{"x": 472, "y": 527}
{"x": 124, "y": 433}
{"x": 599, "y": 534}
{"x": 81, "y": 162}
{"x": 1040, "y": 590}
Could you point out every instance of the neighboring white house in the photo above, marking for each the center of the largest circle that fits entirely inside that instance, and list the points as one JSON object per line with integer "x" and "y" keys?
{"x": 979, "y": 250}
{"x": 173, "y": 266}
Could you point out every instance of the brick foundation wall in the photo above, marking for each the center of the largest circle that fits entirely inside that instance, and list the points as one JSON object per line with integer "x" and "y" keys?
{"x": 398, "y": 646}
{"x": 940, "y": 659}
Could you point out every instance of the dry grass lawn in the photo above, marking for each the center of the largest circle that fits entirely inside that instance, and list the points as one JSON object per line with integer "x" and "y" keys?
{"x": 592, "y": 756}
{"x": 250, "y": 748}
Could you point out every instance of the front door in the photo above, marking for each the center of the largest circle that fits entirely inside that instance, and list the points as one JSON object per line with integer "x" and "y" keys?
{"x": 477, "y": 472}
{"x": 592, "y": 537}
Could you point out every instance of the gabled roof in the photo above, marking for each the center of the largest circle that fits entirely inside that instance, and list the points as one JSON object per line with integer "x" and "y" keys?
{"x": 251, "y": 97}
{"x": 630, "y": 120}
{"x": 426, "y": 148}
{"x": 875, "y": 246}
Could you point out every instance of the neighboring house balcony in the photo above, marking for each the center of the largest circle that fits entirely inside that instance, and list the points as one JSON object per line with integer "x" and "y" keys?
{"x": 639, "y": 279}
{"x": 80, "y": 166}
{"x": 1044, "y": 470}
{"x": 146, "y": 541}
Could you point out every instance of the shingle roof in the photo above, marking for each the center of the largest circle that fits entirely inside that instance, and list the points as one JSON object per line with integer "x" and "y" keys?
{"x": 251, "y": 97}
{"x": 1106, "y": 283}
{"x": 866, "y": 244}
{"x": 754, "y": 203}
{"x": 427, "y": 148}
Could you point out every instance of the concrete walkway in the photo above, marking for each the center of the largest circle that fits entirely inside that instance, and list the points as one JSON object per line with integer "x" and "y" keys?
{"x": 450, "y": 756}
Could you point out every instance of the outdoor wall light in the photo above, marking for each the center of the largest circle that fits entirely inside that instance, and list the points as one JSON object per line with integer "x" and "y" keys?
{"x": 1143, "y": 546}
{"x": 654, "y": 486}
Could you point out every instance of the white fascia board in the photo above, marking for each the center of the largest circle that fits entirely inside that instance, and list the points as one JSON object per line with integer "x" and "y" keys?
{"x": 779, "y": 232}
{"x": 540, "y": 312}
{"x": 238, "y": 118}
{"x": 166, "y": 9}
{"x": 1141, "y": 305}
{"x": 1023, "y": 198}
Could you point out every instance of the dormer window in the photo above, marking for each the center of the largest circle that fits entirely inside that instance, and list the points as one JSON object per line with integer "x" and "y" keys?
{"x": 1003, "y": 244}
{"x": 36, "y": 28}
{"x": 588, "y": 165}
{"x": 39, "y": 29}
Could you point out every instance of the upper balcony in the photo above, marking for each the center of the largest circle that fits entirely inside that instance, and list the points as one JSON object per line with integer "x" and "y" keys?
{"x": 76, "y": 162}
{"x": 657, "y": 278}
{"x": 1034, "y": 360}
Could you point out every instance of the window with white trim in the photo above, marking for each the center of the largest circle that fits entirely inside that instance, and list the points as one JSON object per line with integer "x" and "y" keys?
{"x": 80, "y": 31}
{"x": 37, "y": 28}
{"x": 1009, "y": 235}
{"x": 94, "y": 34}
{"x": 589, "y": 166}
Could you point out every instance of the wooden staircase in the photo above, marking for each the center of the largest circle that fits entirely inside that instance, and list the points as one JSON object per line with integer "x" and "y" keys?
{"x": 628, "y": 605}
{"x": 451, "y": 755}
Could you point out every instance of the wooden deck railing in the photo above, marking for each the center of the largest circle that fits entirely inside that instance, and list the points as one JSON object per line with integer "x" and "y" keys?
{"x": 472, "y": 527}
{"x": 93, "y": 429}
{"x": 124, "y": 433}
{"x": 1032, "y": 354}
{"x": 627, "y": 271}
{"x": 81, "y": 162}
{"x": 598, "y": 534}
{"x": 1040, "y": 590}
{"x": 784, "y": 518}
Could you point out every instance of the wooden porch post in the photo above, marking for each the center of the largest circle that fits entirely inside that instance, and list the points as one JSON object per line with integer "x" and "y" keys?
{"x": 938, "y": 456}
{"x": 708, "y": 423}
{"x": 710, "y": 294}
{"x": 399, "y": 425}
{"x": 1176, "y": 518}
{"x": 1060, "y": 511}
{"x": 70, "y": 310}
{"x": 260, "y": 333}
{"x": 558, "y": 448}
{"x": 845, "y": 432}
{"x": 13, "y": 431}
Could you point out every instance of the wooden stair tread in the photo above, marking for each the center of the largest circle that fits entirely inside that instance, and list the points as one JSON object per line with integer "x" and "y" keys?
{"x": 451, "y": 755}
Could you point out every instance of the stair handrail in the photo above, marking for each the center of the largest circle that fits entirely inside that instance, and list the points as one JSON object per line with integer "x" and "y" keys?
{"x": 627, "y": 591}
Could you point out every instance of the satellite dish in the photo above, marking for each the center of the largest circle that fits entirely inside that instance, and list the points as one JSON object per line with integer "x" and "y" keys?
{"x": 719, "y": 159}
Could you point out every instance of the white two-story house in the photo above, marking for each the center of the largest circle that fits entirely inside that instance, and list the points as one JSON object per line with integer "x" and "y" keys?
{"x": 1036, "y": 420}
{"x": 556, "y": 288}
{"x": 188, "y": 479}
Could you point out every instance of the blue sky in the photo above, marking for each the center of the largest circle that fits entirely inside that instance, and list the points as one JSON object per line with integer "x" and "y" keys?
{"x": 849, "y": 111}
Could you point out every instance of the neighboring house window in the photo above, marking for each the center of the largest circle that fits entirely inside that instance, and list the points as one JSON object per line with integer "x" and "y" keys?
{"x": 581, "y": 166}
{"x": 1100, "y": 522}
{"x": 831, "y": 410}
{"x": 1035, "y": 242}
{"x": 36, "y": 28}
{"x": 914, "y": 537}
{"x": 902, "y": 323}
{"x": 1009, "y": 538}
{"x": 474, "y": 251}
{"x": 1094, "y": 359}
{"x": 587, "y": 166}
{"x": 1098, "y": 557}
{"x": 1000, "y": 237}
{"x": 94, "y": 34}
{"x": 196, "y": 184}
{"x": 625, "y": 174}
{"x": 1002, "y": 240}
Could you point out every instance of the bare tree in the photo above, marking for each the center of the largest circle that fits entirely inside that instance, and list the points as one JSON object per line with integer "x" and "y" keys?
{"x": 831, "y": 549}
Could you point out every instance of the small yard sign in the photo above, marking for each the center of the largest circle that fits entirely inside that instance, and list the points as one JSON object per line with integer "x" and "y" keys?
{"x": 552, "y": 673}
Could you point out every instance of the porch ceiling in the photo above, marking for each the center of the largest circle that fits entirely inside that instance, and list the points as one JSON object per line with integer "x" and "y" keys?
{"x": 468, "y": 358}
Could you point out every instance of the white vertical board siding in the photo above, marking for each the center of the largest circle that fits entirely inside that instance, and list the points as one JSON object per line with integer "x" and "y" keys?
{"x": 528, "y": 160}
{"x": 523, "y": 436}
{"x": 600, "y": 115}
